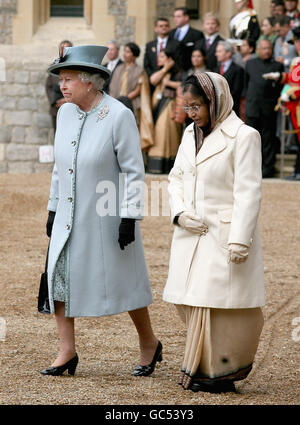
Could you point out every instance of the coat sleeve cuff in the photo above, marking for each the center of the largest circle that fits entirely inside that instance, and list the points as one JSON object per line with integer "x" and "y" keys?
{"x": 52, "y": 205}
{"x": 241, "y": 241}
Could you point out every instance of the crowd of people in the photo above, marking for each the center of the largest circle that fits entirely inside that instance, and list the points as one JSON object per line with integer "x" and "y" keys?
{"x": 256, "y": 47}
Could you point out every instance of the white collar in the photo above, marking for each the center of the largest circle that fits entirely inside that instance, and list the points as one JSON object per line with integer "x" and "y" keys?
{"x": 292, "y": 14}
{"x": 185, "y": 28}
{"x": 165, "y": 40}
{"x": 212, "y": 37}
{"x": 228, "y": 62}
{"x": 113, "y": 62}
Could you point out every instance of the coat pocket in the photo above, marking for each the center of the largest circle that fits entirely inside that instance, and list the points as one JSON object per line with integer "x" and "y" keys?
{"x": 224, "y": 226}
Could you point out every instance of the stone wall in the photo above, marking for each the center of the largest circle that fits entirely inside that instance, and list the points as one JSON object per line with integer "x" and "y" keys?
{"x": 25, "y": 122}
{"x": 124, "y": 25}
{"x": 8, "y": 8}
{"x": 165, "y": 8}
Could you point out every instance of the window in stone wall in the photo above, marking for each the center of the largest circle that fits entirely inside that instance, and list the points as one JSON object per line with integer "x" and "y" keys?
{"x": 193, "y": 8}
{"x": 67, "y": 8}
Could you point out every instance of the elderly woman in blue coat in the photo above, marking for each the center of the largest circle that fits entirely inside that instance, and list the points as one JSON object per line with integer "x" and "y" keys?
{"x": 96, "y": 263}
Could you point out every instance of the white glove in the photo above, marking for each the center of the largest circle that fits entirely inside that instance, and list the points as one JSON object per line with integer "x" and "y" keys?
{"x": 192, "y": 223}
{"x": 285, "y": 97}
{"x": 237, "y": 253}
{"x": 272, "y": 76}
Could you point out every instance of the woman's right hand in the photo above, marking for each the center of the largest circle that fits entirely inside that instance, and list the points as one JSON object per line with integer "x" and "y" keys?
{"x": 169, "y": 64}
{"x": 192, "y": 223}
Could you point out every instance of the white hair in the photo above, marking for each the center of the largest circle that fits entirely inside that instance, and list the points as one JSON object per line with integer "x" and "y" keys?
{"x": 114, "y": 42}
{"x": 227, "y": 46}
{"x": 96, "y": 79}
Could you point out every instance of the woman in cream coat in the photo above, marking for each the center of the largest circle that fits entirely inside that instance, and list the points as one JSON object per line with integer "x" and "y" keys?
{"x": 216, "y": 269}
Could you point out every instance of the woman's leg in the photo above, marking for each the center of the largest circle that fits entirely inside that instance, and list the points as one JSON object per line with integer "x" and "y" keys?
{"x": 147, "y": 339}
{"x": 66, "y": 334}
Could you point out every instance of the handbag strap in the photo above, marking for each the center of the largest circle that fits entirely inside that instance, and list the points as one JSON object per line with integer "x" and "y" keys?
{"x": 46, "y": 264}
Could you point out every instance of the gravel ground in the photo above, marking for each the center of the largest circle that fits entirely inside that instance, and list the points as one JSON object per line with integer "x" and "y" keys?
{"x": 108, "y": 347}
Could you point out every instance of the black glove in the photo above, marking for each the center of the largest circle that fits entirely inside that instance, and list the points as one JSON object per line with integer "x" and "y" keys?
{"x": 50, "y": 221}
{"x": 126, "y": 232}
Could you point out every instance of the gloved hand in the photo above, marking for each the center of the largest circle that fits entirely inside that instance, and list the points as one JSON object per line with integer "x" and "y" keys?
{"x": 272, "y": 76}
{"x": 50, "y": 221}
{"x": 126, "y": 232}
{"x": 237, "y": 253}
{"x": 192, "y": 223}
{"x": 285, "y": 97}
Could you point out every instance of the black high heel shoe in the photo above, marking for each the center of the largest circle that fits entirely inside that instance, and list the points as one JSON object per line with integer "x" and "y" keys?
{"x": 148, "y": 369}
{"x": 59, "y": 370}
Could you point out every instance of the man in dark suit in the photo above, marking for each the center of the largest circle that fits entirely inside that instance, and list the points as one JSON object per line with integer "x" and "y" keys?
{"x": 211, "y": 26}
{"x": 54, "y": 94}
{"x": 186, "y": 35}
{"x": 162, "y": 29}
{"x": 233, "y": 73}
{"x": 261, "y": 98}
{"x": 114, "y": 61}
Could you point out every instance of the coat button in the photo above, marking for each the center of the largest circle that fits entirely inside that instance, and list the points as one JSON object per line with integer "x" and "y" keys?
{"x": 70, "y": 171}
{"x": 70, "y": 199}
{"x": 74, "y": 143}
{"x": 68, "y": 227}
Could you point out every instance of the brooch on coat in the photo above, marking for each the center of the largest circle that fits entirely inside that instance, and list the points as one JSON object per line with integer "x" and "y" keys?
{"x": 103, "y": 112}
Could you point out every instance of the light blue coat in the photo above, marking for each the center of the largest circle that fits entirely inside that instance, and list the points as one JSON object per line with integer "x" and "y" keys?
{"x": 91, "y": 150}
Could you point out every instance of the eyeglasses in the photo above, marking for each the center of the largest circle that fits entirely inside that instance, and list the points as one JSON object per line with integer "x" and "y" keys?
{"x": 194, "y": 108}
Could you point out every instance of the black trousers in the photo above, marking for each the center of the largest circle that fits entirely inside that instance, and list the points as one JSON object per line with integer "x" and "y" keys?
{"x": 266, "y": 126}
{"x": 297, "y": 164}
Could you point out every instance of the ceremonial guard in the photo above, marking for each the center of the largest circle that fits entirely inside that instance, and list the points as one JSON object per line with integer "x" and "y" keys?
{"x": 244, "y": 25}
{"x": 290, "y": 95}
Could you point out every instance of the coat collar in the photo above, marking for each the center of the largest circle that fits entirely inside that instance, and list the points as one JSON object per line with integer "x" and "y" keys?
{"x": 231, "y": 125}
{"x": 214, "y": 142}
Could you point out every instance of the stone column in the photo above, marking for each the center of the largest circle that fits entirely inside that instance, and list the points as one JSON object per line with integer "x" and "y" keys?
{"x": 144, "y": 13}
{"x": 88, "y": 11}
{"x": 103, "y": 24}
{"x": 23, "y": 22}
{"x": 31, "y": 13}
{"x": 8, "y": 8}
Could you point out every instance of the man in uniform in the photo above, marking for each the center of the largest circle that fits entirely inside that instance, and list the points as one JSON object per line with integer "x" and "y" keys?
{"x": 244, "y": 25}
{"x": 290, "y": 96}
{"x": 292, "y": 12}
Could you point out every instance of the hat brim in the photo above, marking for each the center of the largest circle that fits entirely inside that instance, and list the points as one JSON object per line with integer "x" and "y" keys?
{"x": 55, "y": 69}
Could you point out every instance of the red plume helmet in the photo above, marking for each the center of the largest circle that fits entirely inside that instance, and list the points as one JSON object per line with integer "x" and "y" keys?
{"x": 250, "y": 4}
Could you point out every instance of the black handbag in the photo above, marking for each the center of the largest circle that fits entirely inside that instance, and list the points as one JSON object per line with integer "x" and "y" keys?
{"x": 43, "y": 297}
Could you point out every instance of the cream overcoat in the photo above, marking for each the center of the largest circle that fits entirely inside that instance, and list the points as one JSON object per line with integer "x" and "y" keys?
{"x": 223, "y": 186}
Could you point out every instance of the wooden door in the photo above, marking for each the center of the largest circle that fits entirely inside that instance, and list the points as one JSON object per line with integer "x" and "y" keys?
{"x": 67, "y": 8}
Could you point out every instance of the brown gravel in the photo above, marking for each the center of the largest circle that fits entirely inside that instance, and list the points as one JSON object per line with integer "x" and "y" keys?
{"x": 108, "y": 347}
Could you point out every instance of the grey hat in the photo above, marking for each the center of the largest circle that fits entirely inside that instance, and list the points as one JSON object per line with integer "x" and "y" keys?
{"x": 82, "y": 58}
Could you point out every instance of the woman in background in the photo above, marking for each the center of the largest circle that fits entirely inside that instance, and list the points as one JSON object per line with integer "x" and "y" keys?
{"x": 131, "y": 81}
{"x": 268, "y": 31}
{"x": 167, "y": 132}
{"x": 127, "y": 78}
{"x": 198, "y": 62}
